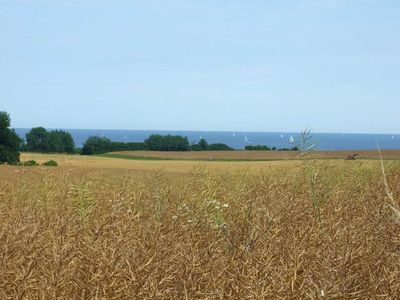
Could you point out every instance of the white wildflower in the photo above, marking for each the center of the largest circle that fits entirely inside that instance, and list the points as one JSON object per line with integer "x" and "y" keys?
{"x": 224, "y": 227}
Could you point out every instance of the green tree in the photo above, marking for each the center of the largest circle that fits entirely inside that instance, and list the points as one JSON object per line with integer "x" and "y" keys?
{"x": 96, "y": 145}
{"x": 155, "y": 142}
{"x": 158, "y": 142}
{"x": 9, "y": 141}
{"x": 60, "y": 141}
{"x": 37, "y": 140}
{"x": 203, "y": 144}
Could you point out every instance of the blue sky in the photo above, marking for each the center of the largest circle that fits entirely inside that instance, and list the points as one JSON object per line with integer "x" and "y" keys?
{"x": 250, "y": 65}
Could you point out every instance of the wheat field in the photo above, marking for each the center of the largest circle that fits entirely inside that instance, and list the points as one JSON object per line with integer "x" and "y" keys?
{"x": 283, "y": 230}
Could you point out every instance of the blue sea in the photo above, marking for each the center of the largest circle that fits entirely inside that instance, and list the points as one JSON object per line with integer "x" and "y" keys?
{"x": 238, "y": 140}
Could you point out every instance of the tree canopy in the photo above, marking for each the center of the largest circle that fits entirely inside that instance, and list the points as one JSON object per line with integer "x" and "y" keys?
{"x": 158, "y": 142}
{"x": 219, "y": 147}
{"x": 38, "y": 139}
{"x": 9, "y": 141}
{"x": 202, "y": 145}
{"x": 96, "y": 145}
{"x": 100, "y": 145}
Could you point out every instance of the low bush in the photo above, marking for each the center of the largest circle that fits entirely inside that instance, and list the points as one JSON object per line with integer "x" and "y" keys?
{"x": 258, "y": 148}
{"x": 295, "y": 148}
{"x": 219, "y": 147}
{"x": 50, "y": 163}
{"x": 266, "y": 148}
{"x": 30, "y": 163}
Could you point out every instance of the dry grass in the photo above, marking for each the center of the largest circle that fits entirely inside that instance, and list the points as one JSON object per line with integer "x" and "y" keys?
{"x": 272, "y": 232}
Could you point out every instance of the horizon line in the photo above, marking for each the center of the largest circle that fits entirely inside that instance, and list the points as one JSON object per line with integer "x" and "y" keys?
{"x": 218, "y": 131}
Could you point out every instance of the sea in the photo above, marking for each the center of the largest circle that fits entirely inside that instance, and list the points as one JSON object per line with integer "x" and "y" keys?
{"x": 238, "y": 139}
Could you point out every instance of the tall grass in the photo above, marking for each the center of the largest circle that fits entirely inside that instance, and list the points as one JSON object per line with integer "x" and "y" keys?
{"x": 112, "y": 234}
{"x": 392, "y": 203}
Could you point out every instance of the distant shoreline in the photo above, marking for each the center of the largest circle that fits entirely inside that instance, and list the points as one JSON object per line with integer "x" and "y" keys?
{"x": 238, "y": 140}
{"x": 209, "y": 131}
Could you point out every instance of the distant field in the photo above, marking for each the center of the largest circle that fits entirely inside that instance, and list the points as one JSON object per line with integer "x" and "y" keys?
{"x": 252, "y": 155}
{"x": 165, "y": 161}
{"x": 179, "y": 166}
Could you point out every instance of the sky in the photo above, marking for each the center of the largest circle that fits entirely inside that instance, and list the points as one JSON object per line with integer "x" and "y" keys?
{"x": 218, "y": 65}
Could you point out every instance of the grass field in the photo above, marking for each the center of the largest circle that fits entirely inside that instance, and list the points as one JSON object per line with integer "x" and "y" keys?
{"x": 112, "y": 228}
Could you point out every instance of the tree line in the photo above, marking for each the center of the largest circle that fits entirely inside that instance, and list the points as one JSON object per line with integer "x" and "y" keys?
{"x": 100, "y": 145}
{"x": 155, "y": 142}
{"x": 38, "y": 139}
{"x": 266, "y": 148}
{"x": 203, "y": 145}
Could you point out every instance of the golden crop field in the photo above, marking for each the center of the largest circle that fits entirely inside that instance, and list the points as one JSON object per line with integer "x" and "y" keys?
{"x": 178, "y": 166}
{"x": 108, "y": 228}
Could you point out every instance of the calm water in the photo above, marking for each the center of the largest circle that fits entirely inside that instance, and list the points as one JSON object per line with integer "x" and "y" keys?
{"x": 238, "y": 140}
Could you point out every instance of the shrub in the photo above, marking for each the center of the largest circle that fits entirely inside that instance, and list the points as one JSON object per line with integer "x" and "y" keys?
{"x": 50, "y": 163}
{"x": 295, "y": 148}
{"x": 266, "y": 148}
{"x": 196, "y": 147}
{"x": 258, "y": 148}
{"x": 130, "y": 146}
{"x": 30, "y": 163}
{"x": 219, "y": 147}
